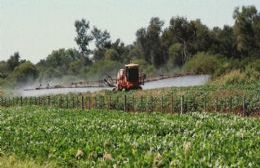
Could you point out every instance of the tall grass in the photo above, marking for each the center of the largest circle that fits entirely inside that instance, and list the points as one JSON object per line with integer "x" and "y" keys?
{"x": 249, "y": 76}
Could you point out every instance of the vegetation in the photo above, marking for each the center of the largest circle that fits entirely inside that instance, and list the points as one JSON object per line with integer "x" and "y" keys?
{"x": 107, "y": 138}
{"x": 184, "y": 45}
{"x": 238, "y": 72}
{"x": 13, "y": 161}
{"x": 202, "y": 63}
{"x": 236, "y": 99}
{"x": 1, "y": 92}
{"x": 65, "y": 136}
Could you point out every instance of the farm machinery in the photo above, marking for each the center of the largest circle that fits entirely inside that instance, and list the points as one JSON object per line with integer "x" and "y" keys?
{"x": 128, "y": 78}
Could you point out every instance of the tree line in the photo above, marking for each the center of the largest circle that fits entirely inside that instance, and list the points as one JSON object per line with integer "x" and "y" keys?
{"x": 156, "y": 47}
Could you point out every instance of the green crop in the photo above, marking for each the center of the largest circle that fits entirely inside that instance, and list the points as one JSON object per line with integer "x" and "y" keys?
{"x": 236, "y": 99}
{"x": 82, "y": 138}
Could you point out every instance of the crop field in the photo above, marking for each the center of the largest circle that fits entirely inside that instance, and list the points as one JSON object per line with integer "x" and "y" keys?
{"x": 243, "y": 101}
{"x": 85, "y": 138}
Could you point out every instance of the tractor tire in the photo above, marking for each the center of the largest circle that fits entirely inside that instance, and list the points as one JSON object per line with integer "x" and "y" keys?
{"x": 139, "y": 88}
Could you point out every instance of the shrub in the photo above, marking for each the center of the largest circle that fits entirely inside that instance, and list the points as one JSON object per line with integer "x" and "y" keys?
{"x": 202, "y": 63}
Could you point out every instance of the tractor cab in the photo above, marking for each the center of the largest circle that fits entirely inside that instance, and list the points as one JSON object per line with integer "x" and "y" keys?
{"x": 128, "y": 78}
{"x": 132, "y": 72}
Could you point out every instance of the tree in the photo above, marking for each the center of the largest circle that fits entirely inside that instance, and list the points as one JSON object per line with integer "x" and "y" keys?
{"x": 149, "y": 42}
{"x": 154, "y": 31}
{"x": 223, "y": 41}
{"x": 176, "y": 54}
{"x": 102, "y": 42}
{"x": 59, "y": 60}
{"x": 200, "y": 37}
{"x": 121, "y": 49}
{"x": 25, "y": 72}
{"x": 244, "y": 29}
{"x": 142, "y": 43}
{"x": 75, "y": 67}
{"x": 183, "y": 32}
{"x": 99, "y": 70}
{"x": 14, "y": 61}
{"x": 102, "y": 39}
{"x": 134, "y": 52}
{"x": 4, "y": 69}
{"x": 111, "y": 54}
{"x": 83, "y": 38}
{"x": 47, "y": 74}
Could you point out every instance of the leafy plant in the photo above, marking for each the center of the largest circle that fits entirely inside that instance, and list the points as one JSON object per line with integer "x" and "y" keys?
{"x": 77, "y": 138}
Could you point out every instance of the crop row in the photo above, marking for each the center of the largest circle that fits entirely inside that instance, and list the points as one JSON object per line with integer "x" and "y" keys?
{"x": 249, "y": 105}
{"x": 98, "y": 138}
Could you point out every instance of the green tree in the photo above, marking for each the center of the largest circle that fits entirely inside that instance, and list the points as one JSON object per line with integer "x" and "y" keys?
{"x": 142, "y": 43}
{"x": 102, "y": 38}
{"x": 14, "y": 61}
{"x": 111, "y": 54}
{"x": 223, "y": 41}
{"x": 4, "y": 69}
{"x": 149, "y": 41}
{"x": 244, "y": 29}
{"x": 48, "y": 74}
{"x": 102, "y": 42}
{"x": 121, "y": 49}
{"x": 99, "y": 70}
{"x": 58, "y": 63}
{"x": 75, "y": 67}
{"x": 134, "y": 53}
{"x": 83, "y": 37}
{"x": 25, "y": 72}
{"x": 183, "y": 32}
{"x": 154, "y": 31}
{"x": 61, "y": 59}
{"x": 200, "y": 37}
{"x": 176, "y": 56}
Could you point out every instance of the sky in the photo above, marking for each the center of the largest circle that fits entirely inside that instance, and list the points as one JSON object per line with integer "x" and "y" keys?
{"x": 35, "y": 28}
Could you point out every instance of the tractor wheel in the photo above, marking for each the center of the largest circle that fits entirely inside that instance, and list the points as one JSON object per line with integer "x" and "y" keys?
{"x": 139, "y": 88}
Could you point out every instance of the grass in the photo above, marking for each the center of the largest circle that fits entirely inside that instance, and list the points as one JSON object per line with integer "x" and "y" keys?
{"x": 101, "y": 138}
{"x": 1, "y": 92}
{"x": 14, "y": 162}
{"x": 238, "y": 77}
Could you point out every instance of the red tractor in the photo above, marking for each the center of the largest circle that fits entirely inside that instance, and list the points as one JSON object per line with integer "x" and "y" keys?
{"x": 128, "y": 78}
